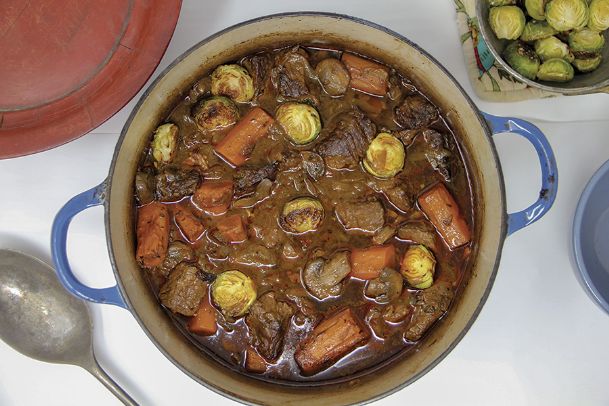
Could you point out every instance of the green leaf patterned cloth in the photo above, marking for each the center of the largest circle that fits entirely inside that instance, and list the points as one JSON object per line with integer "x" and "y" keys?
{"x": 489, "y": 80}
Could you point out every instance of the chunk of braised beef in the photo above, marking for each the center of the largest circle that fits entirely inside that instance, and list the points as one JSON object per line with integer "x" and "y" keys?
{"x": 174, "y": 184}
{"x": 430, "y": 305}
{"x": 247, "y": 178}
{"x": 415, "y": 112}
{"x": 177, "y": 252}
{"x": 290, "y": 73}
{"x": 367, "y": 217}
{"x": 258, "y": 66}
{"x": 437, "y": 154}
{"x": 418, "y": 232}
{"x": 268, "y": 320}
{"x": 351, "y": 133}
{"x": 183, "y": 290}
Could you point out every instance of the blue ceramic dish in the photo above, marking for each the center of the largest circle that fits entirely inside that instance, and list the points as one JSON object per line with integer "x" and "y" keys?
{"x": 591, "y": 236}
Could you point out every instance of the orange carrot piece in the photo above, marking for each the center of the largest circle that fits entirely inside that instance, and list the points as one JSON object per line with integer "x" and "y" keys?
{"x": 254, "y": 361}
{"x": 152, "y": 234}
{"x": 238, "y": 143}
{"x": 204, "y": 321}
{"x": 232, "y": 229}
{"x": 443, "y": 211}
{"x": 214, "y": 196}
{"x": 367, "y": 263}
{"x": 367, "y": 76}
{"x": 188, "y": 223}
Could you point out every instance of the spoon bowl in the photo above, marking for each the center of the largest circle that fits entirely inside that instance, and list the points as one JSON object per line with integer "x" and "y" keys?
{"x": 41, "y": 320}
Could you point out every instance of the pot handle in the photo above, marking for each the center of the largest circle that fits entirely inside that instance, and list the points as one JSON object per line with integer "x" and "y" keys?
{"x": 549, "y": 170}
{"x": 59, "y": 233}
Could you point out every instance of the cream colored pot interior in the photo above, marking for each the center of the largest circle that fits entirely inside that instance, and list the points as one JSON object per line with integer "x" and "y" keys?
{"x": 309, "y": 29}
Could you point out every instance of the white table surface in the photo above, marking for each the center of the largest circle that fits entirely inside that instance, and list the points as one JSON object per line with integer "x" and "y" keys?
{"x": 538, "y": 340}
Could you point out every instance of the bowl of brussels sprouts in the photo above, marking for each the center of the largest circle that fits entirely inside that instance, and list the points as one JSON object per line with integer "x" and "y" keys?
{"x": 556, "y": 45}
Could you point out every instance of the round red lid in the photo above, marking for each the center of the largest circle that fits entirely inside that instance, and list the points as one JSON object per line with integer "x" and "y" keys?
{"x": 69, "y": 65}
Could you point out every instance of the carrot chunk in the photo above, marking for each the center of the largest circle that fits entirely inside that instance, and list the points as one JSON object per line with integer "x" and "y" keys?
{"x": 239, "y": 142}
{"x": 214, "y": 196}
{"x": 367, "y": 76}
{"x": 367, "y": 263}
{"x": 152, "y": 234}
{"x": 442, "y": 210}
{"x": 188, "y": 223}
{"x": 232, "y": 229}
{"x": 330, "y": 340}
{"x": 254, "y": 362}
{"x": 204, "y": 321}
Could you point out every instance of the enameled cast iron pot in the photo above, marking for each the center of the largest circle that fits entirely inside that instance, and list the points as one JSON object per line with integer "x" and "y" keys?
{"x": 473, "y": 130}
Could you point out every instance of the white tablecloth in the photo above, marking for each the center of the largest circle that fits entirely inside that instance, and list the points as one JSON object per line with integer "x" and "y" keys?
{"x": 538, "y": 340}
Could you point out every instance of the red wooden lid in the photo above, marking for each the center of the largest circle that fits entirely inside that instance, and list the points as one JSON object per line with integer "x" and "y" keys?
{"x": 69, "y": 65}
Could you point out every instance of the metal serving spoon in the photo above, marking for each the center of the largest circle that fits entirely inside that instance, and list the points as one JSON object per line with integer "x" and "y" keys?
{"x": 41, "y": 320}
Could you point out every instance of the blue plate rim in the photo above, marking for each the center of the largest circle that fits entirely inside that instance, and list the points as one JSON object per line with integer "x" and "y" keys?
{"x": 577, "y": 224}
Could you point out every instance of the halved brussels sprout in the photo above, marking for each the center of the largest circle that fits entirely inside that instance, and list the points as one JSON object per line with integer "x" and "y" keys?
{"x": 507, "y": 22}
{"x": 522, "y": 59}
{"x": 587, "y": 64}
{"x": 234, "y": 293}
{"x": 164, "y": 142}
{"x": 565, "y": 15}
{"x": 300, "y": 122}
{"x": 385, "y": 156}
{"x": 215, "y": 113}
{"x": 555, "y": 70}
{"x": 535, "y": 30}
{"x": 552, "y": 47}
{"x": 418, "y": 266}
{"x": 301, "y": 215}
{"x": 497, "y": 3}
{"x": 232, "y": 81}
{"x": 536, "y": 8}
{"x": 599, "y": 15}
{"x": 586, "y": 40}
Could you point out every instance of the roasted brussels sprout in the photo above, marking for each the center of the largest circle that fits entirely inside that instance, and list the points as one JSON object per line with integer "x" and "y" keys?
{"x": 535, "y": 30}
{"x": 232, "y": 81}
{"x": 587, "y": 64}
{"x": 215, "y": 113}
{"x": 507, "y": 22}
{"x": 234, "y": 293}
{"x": 301, "y": 215}
{"x": 536, "y": 8}
{"x": 565, "y": 15}
{"x": 385, "y": 156}
{"x": 164, "y": 142}
{"x": 522, "y": 59}
{"x": 552, "y": 47}
{"x": 300, "y": 122}
{"x": 418, "y": 266}
{"x": 497, "y": 3}
{"x": 599, "y": 15}
{"x": 586, "y": 41}
{"x": 555, "y": 70}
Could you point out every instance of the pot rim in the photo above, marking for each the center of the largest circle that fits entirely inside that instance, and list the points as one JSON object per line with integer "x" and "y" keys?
{"x": 402, "y": 38}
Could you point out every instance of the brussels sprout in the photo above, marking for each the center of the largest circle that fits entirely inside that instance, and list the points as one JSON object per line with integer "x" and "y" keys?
{"x": 234, "y": 293}
{"x": 599, "y": 15}
{"x": 565, "y": 15}
{"x": 301, "y": 215}
{"x": 385, "y": 156}
{"x": 552, "y": 47}
{"x": 522, "y": 58}
{"x": 215, "y": 113}
{"x": 587, "y": 64}
{"x": 164, "y": 142}
{"x": 232, "y": 81}
{"x": 496, "y": 3}
{"x": 418, "y": 266}
{"x": 507, "y": 22}
{"x": 300, "y": 122}
{"x": 586, "y": 40}
{"x": 535, "y": 30}
{"x": 536, "y": 8}
{"x": 555, "y": 70}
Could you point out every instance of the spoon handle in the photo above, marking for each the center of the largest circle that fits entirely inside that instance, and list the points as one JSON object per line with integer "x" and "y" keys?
{"x": 109, "y": 383}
